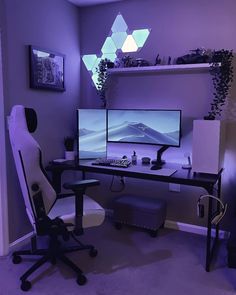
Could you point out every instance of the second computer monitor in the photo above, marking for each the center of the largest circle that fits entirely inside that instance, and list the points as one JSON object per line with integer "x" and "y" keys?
{"x": 91, "y": 125}
{"x": 161, "y": 127}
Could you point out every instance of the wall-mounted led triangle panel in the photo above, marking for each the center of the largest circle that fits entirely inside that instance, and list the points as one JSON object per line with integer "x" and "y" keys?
{"x": 119, "y": 24}
{"x": 140, "y": 36}
{"x": 129, "y": 45}
{"x": 108, "y": 46}
{"x": 120, "y": 38}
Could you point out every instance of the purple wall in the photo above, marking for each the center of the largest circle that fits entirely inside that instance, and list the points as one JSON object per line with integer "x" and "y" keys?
{"x": 176, "y": 27}
{"x": 52, "y": 25}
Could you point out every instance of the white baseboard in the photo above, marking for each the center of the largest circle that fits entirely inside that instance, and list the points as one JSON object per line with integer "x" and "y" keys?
{"x": 191, "y": 228}
{"x": 186, "y": 227}
{"x": 21, "y": 241}
{"x": 195, "y": 229}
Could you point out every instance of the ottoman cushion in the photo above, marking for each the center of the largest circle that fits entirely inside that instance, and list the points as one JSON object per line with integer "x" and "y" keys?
{"x": 140, "y": 211}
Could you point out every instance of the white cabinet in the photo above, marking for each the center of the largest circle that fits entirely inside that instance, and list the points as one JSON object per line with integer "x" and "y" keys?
{"x": 208, "y": 146}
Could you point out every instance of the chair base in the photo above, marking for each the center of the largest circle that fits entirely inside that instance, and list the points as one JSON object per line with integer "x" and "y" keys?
{"x": 54, "y": 253}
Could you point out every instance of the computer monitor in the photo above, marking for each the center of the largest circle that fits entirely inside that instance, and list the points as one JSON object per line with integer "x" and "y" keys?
{"x": 91, "y": 133}
{"x": 161, "y": 127}
{"x": 156, "y": 127}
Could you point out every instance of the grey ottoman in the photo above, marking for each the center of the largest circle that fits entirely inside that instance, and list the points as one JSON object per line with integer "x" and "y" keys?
{"x": 139, "y": 211}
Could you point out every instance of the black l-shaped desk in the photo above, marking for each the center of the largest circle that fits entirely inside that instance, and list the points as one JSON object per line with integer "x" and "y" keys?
{"x": 210, "y": 182}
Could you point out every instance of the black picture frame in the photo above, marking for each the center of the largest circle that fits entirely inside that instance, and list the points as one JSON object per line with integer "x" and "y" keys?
{"x": 47, "y": 69}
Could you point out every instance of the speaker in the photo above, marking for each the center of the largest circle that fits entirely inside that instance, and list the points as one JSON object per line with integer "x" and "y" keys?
{"x": 218, "y": 215}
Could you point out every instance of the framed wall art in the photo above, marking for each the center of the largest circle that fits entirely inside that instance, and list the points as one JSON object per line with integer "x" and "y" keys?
{"x": 47, "y": 69}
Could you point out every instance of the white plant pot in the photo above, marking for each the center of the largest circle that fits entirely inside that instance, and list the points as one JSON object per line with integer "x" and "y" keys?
{"x": 70, "y": 155}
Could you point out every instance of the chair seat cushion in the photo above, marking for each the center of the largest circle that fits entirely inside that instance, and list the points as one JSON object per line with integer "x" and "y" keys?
{"x": 93, "y": 214}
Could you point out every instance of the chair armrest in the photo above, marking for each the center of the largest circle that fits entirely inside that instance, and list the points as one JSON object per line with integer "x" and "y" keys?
{"x": 81, "y": 185}
{"x": 79, "y": 188}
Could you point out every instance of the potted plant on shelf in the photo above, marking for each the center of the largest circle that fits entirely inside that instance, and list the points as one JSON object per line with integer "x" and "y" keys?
{"x": 69, "y": 148}
{"x": 221, "y": 70}
{"x": 103, "y": 76}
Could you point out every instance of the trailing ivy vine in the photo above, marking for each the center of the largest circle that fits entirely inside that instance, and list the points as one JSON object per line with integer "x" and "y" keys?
{"x": 222, "y": 77}
{"x": 102, "y": 83}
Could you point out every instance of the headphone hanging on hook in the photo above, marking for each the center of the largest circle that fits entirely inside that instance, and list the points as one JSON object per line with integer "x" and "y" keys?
{"x": 216, "y": 218}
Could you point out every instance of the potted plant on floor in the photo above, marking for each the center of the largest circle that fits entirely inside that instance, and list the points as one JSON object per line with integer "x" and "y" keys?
{"x": 69, "y": 148}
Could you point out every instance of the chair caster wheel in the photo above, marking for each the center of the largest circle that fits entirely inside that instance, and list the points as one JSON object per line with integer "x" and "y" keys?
{"x": 153, "y": 233}
{"x": 16, "y": 259}
{"x": 118, "y": 225}
{"x": 81, "y": 280}
{"x": 93, "y": 253}
{"x": 25, "y": 286}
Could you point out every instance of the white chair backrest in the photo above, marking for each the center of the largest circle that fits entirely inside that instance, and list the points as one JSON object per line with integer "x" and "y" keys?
{"x": 27, "y": 156}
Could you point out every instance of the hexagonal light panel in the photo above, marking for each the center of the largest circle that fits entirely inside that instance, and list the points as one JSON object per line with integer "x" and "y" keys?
{"x": 140, "y": 36}
{"x": 117, "y": 40}
{"x": 119, "y": 24}
{"x": 129, "y": 45}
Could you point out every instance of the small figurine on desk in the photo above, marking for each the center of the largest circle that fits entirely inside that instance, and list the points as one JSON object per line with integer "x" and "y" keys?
{"x": 158, "y": 60}
{"x": 134, "y": 158}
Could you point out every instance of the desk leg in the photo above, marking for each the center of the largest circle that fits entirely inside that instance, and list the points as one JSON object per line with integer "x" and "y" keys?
{"x": 210, "y": 249}
{"x": 218, "y": 205}
{"x": 209, "y": 228}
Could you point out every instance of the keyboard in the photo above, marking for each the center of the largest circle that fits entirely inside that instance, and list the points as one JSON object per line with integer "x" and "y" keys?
{"x": 122, "y": 163}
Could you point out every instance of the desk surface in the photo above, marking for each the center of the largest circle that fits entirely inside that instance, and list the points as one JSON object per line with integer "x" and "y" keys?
{"x": 181, "y": 176}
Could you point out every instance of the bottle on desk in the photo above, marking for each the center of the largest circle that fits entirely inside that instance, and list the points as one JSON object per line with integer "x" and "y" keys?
{"x": 134, "y": 158}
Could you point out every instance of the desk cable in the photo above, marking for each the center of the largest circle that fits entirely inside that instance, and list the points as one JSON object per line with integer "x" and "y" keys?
{"x": 122, "y": 185}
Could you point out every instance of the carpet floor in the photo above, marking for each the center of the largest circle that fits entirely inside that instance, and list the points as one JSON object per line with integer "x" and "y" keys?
{"x": 130, "y": 262}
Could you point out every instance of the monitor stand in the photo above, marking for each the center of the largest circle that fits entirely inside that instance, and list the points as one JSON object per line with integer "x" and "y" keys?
{"x": 157, "y": 164}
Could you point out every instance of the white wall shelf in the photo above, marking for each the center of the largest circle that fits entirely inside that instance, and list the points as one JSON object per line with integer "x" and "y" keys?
{"x": 160, "y": 68}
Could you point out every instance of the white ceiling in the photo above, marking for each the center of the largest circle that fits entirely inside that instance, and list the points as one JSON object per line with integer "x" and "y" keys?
{"x": 91, "y": 2}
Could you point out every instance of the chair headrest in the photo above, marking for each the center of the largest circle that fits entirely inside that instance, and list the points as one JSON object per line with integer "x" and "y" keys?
{"x": 31, "y": 119}
{"x": 23, "y": 118}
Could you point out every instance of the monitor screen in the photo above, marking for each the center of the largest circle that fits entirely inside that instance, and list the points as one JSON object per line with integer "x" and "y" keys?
{"x": 91, "y": 133}
{"x": 161, "y": 127}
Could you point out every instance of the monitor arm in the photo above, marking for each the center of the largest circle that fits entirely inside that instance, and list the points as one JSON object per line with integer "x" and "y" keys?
{"x": 157, "y": 164}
